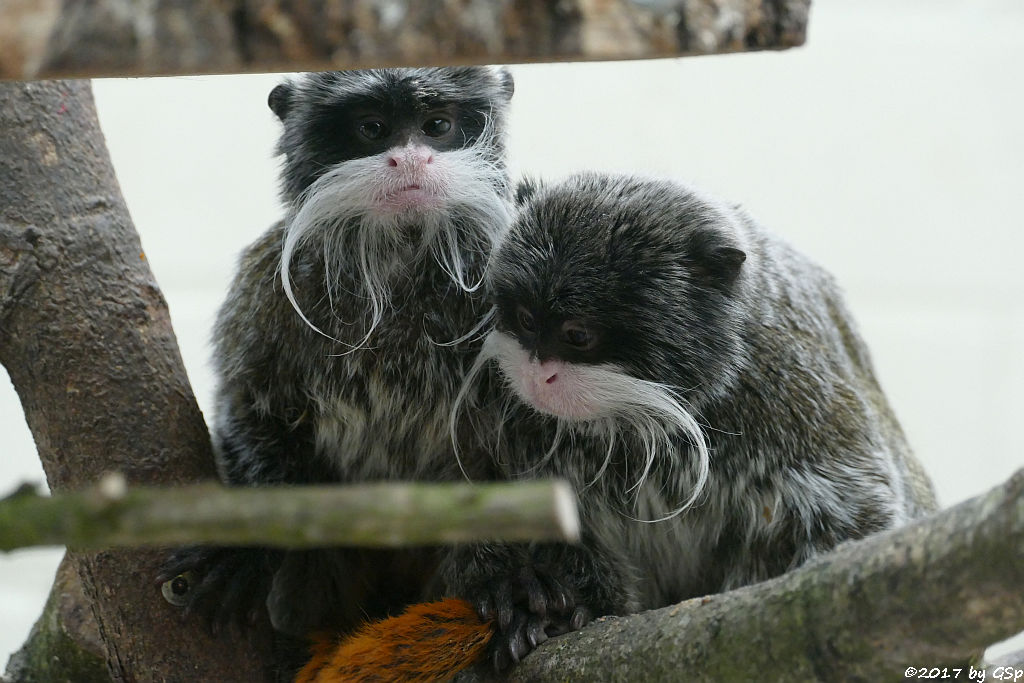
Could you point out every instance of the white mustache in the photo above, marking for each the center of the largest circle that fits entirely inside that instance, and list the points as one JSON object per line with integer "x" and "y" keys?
{"x": 341, "y": 210}
{"x": 623, "y": 404}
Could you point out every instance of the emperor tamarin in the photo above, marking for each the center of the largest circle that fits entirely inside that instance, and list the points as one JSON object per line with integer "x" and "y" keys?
{"x": 699, "y": 382}
{"x": 333, "y": 349}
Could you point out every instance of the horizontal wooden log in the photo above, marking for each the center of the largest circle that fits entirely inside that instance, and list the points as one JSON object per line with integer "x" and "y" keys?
{"x": 931, "y": 595}
{"x": 369, "y": 515}
{"x": 78, "y": 38}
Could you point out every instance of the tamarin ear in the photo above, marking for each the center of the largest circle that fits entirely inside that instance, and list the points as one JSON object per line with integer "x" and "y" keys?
{"x": 729, "y": 260}
{"x": 280, "y": 100}
{"x": 718, "y": 267}
{"x": 507, "y": 83}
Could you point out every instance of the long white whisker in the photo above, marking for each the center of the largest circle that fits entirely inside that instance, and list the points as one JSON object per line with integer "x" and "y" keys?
{"x": 607, "y": 457}
{"x": 648, "y": 420}
{"x": 544, "y": 459}
{"x": 291, "y": 241}
{"x": 472, "y": 333}
{"x": 482, "y": 358}
{"x": 343, "y": 206}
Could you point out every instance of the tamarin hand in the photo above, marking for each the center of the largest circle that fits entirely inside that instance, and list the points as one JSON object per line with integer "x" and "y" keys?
{"x": 222, "y": 585}
{"x": 527, "y": 607}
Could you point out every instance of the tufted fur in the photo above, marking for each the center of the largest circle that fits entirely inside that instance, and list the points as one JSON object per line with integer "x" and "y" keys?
{"x": 330, "y": 346}
{"x": 704, "y": 318}
{"x": 428, "y": 642}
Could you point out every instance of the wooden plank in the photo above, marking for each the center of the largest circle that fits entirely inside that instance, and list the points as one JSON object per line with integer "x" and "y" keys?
{"x": 42, "y": 39}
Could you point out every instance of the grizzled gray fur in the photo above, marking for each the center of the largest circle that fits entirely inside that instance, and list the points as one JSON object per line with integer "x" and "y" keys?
{"x": 699, "y": 382}
{"x": 332, "y": 347}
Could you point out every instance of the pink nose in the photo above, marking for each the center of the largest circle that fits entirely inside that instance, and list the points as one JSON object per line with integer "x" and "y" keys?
{"x": 410, "y": 158}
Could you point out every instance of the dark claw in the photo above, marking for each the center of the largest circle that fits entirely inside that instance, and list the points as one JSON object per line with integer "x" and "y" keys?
{"x": 517, "y": 645}
{"x": 534, "y": 594}
{"x": 503, "y": 601}
{"x": 559, "y": 598}
{"x": 580, "y": 618}
{"x": 500, "y": 659}
{"x": 535, "y": 631}
{"x": 485, "y": 608}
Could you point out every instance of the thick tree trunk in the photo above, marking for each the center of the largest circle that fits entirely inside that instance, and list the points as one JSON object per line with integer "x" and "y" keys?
{"x": 86, "y": 338}
{"x": 65, "y": 643}
{"x": 64, "y": 38}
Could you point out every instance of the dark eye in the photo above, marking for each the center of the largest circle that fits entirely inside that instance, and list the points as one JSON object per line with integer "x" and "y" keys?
{"x": 525, "y": 320}
{"x": 372, "y": 130}
{"x": 437, "y": 127}
{"x": 578, "y": 336}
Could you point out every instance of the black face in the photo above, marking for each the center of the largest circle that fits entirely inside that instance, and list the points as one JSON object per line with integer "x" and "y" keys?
{"x": 547, "y": 333}
{"x": 333, "y": 117}
{"x": 601, "y": 269}
{"x": 557, "y": 299}
{"x": 379, "y": 130}
{"x": 363, "y": 126}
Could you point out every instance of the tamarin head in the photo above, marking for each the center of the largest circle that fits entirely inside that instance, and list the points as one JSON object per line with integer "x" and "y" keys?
{"x": 631, "y": 278}
{"x": 384, "y": 165}
{"x": 615, "y": 307}
{"x": 403, "y": 121}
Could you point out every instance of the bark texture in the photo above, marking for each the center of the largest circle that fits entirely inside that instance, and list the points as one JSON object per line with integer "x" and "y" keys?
{"x": 75, "y": 38}
{"x": 65, "y": 643}
{"x": 367, "y": 515}
{"x": 87, "y": 341}
{"x": 931, "y": 595}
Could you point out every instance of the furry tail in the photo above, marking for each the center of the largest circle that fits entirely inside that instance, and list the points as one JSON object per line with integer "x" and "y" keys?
{"x": 428, "y": 642}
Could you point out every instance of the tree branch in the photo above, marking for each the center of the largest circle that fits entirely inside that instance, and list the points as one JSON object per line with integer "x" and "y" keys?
{"x": 370, "y": 515}
{"x": 932, "y": 594}
{"x": 72, "y": 38}
{"x": 87, "y": 341}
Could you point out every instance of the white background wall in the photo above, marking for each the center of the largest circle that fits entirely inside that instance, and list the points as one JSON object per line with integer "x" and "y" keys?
{"x": 890, "y": 148}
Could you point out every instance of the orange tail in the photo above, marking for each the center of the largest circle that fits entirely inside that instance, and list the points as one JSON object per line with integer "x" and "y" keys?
{"x": 428, "y": 642}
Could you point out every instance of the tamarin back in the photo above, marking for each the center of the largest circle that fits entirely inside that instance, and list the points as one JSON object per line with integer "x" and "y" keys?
{"x": 699, "y": 382}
